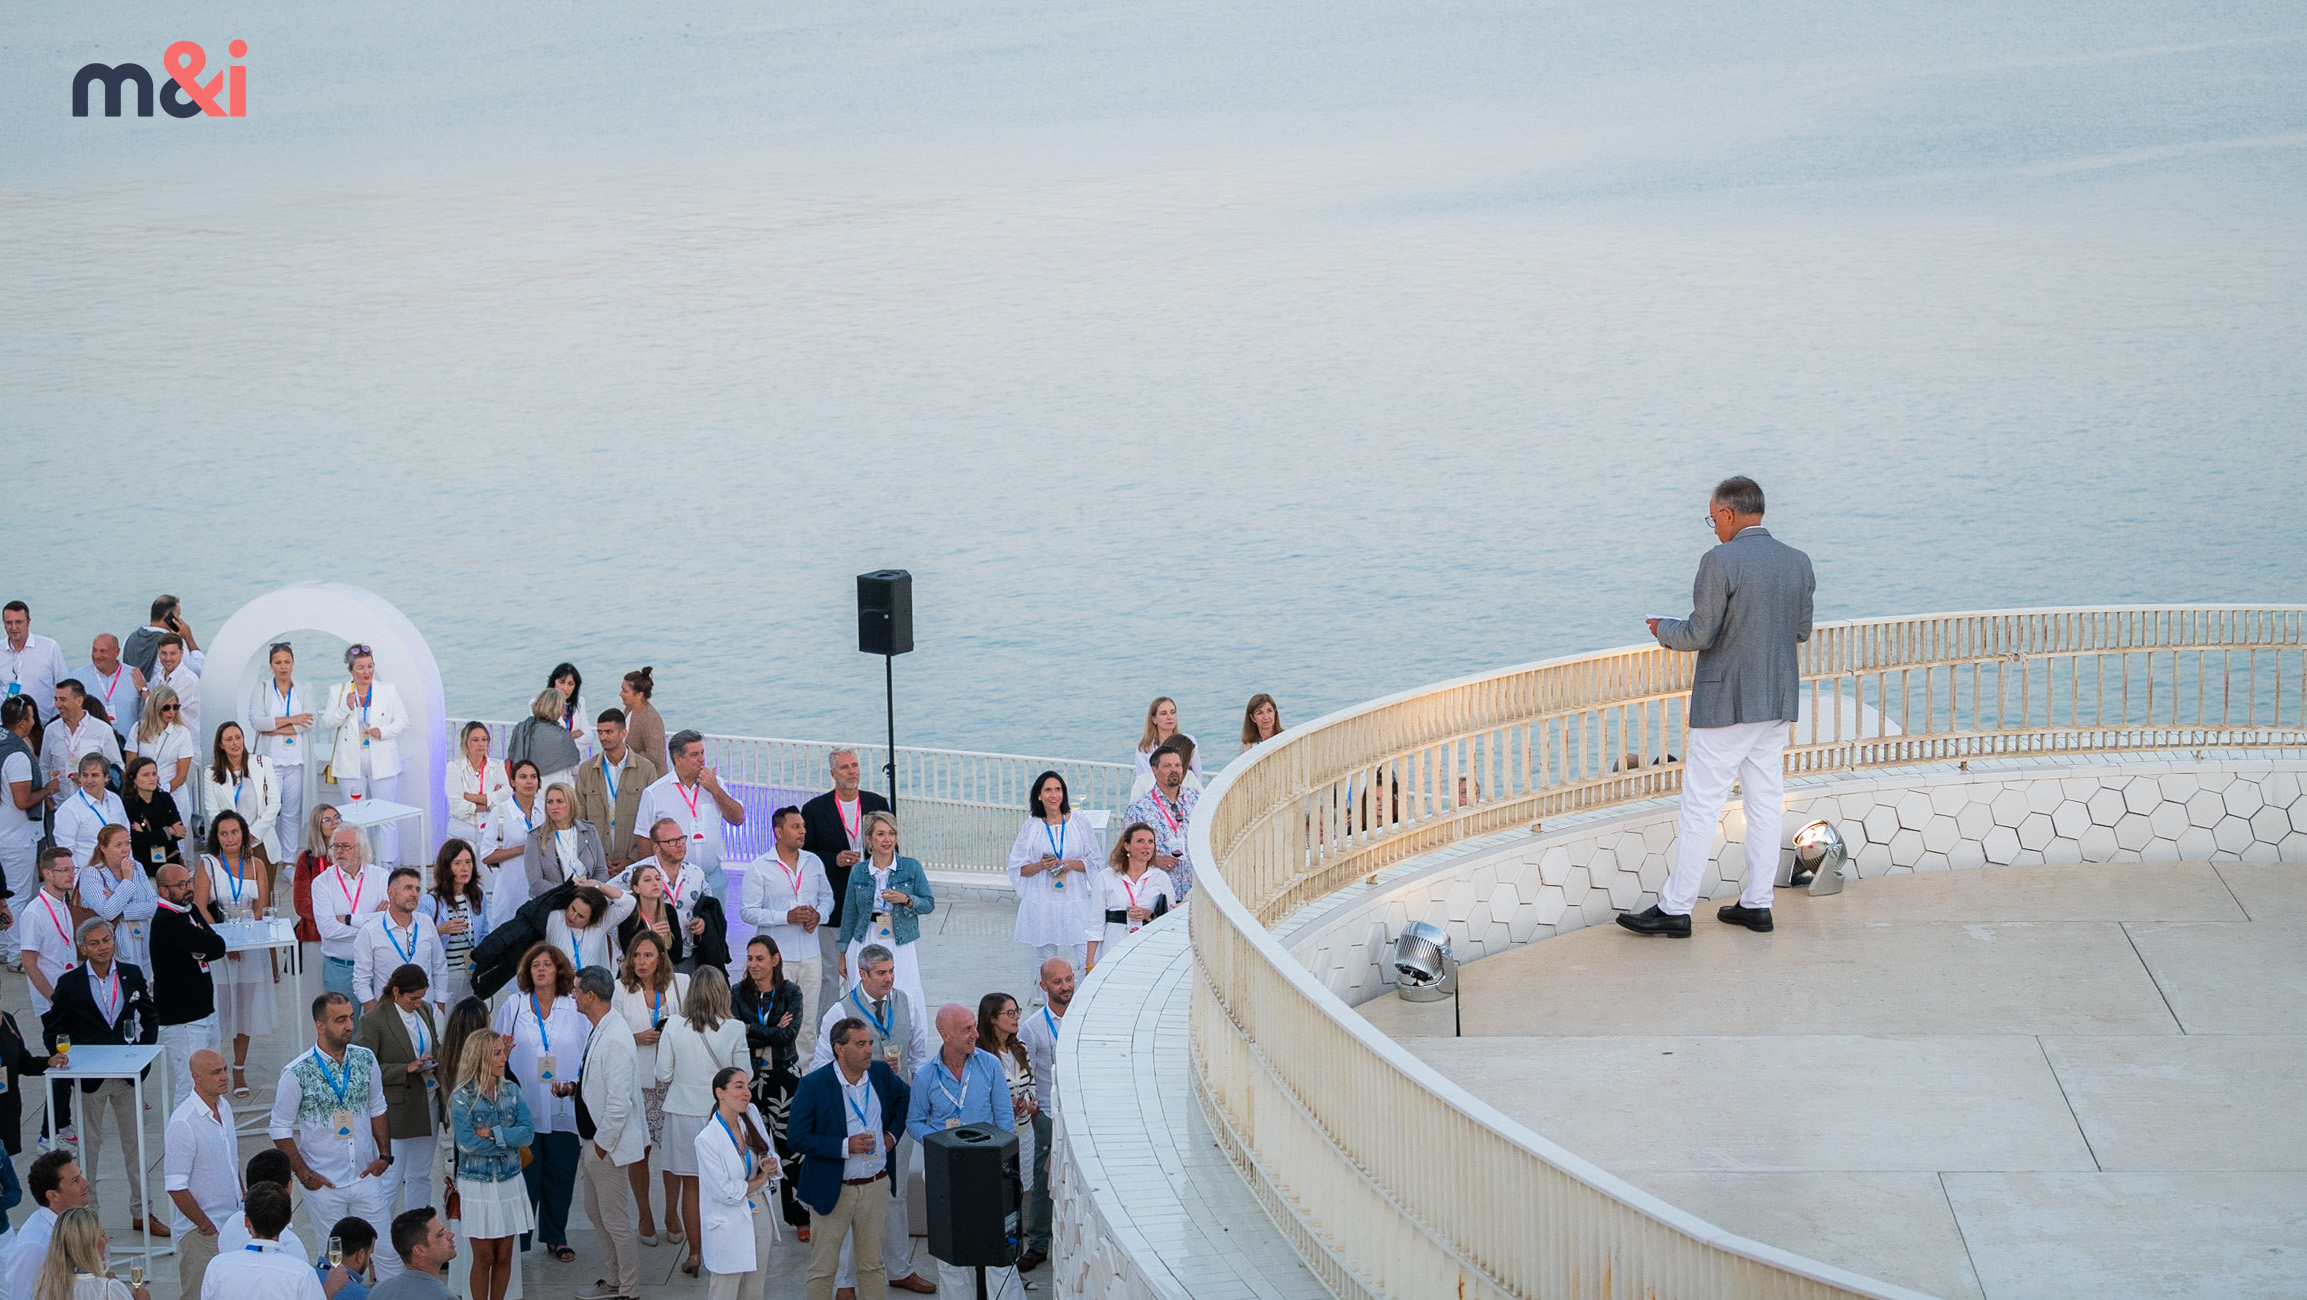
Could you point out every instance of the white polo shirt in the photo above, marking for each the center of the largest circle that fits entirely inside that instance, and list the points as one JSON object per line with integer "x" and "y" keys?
{"x": 44, "y": 929}
{"x": 201, "y": 1156}
{"x": 34, "y": 670}
{"x": 81, "y": 817}
{"x": 699, "y": 818}
{"x": 261, "y": 1270}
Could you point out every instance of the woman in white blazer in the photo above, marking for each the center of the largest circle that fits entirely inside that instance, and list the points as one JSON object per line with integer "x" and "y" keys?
{"x": 735, "y": 1166}
{"x": 474, "y": 784}
{"x": 280, "y": 712}
{"x": 704, "y": 1041}
{"x": 366, "y": 719}
{"x": 245, "y": 783}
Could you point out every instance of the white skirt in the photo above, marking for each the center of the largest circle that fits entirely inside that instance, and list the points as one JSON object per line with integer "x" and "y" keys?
{"x": 677, "y": 1154}
{"x": 493, "y": 1210}
{"x": 245, "y": 1000}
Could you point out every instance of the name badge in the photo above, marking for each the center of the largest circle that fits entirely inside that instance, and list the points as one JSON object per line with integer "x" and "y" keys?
{"x": 159, "y": 851}
{"x": 955, "y": 1122}
{"x": 545, "y": 1067}
{"x": 889, "y": 1049}
{"x": 342, "y": 1120}
{"x": 882, "y": 928}
{"x": 15, "y": 689}
{"x": 3, "y": 1079}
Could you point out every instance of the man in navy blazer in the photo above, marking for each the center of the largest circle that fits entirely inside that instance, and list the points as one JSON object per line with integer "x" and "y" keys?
{"x": 844, "y": 1124}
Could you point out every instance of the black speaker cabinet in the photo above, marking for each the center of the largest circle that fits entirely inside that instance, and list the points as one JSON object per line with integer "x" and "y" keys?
{"x": 974, "y": 1190}
{"x": 885, "y": 612}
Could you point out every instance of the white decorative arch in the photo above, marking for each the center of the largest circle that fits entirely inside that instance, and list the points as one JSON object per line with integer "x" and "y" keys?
{"x": 236, "y": 665}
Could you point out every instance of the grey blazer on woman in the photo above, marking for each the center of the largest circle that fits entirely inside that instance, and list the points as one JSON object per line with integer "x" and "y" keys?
{"x": 1750, "y": 607}
{"x": 542, "y": 862}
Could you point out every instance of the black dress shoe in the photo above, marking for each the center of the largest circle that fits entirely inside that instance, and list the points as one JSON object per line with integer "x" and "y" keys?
{"x": 1753, "y": 918}
{"x": 1652, "y": 921}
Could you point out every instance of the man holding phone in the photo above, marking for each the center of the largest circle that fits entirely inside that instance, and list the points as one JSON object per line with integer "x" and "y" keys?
{"x": 143, "y": 649}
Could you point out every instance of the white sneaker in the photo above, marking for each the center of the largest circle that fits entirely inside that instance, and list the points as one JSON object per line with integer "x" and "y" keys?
{"x": 599, "y": 1290}
{"x": 68, "y": 1134}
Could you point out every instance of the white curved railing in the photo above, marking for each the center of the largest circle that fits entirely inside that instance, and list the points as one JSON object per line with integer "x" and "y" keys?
{"x": 1395, "y": 1182}
{"x": 960, "y": 809}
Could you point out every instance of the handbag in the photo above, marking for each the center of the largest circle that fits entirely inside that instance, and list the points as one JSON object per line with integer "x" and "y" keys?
{"x": 528, "y": 1157}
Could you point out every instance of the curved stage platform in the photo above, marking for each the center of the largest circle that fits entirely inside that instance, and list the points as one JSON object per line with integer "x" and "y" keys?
{"x": 2039, "y": 1081}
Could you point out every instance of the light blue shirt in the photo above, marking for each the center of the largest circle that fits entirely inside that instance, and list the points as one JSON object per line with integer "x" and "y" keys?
{"x": 979, "y": 1096}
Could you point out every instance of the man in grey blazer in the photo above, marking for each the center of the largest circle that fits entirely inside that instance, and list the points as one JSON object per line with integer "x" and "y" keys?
{"x": 1749, "y": 609}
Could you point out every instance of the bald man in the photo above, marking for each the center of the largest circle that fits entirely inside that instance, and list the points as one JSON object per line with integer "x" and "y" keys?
{"x": 183, "y": 946}
{"x": 1039, "y": 1032}
{"x": 104, "y": 677}
{"x": 200, "y": 1168}
{"x": 962, "y": 1084}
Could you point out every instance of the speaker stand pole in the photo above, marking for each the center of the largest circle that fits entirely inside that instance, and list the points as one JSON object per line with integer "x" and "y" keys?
{"x": 889, "y": 696}
{"x": 981, "y": 1282}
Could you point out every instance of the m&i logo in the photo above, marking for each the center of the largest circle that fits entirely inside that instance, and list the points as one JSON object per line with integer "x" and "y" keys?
{"x": 183, "y": 94}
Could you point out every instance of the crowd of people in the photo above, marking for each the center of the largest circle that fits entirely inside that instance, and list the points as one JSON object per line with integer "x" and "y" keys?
{"x": 552, "y": 1000}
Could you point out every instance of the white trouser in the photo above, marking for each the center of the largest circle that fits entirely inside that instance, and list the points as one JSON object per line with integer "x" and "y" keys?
{"x": 365, "y": 1199}
{"x": 182, "y": 1041}
{"x": 805, "y": 974}
{"x": 897, "y": 1234}
{"x": 1077, "y": 953}
{"x": 386, "y": 838}
{"x": 16, "y": 862}
{"x": 1000, "y": 1283}
{"x": 288, "y": 828}
{"x": 409, "y": 1183}
{"x": 829, "y": 983}
{"x": 1754, "y": 755}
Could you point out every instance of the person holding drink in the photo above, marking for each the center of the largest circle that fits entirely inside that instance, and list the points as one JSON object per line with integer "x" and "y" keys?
{"x": 1049, "y": 867}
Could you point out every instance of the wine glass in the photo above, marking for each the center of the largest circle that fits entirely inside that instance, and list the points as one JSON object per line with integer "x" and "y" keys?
{"x": 64, "y": 1044}
{"x": 336, "y": 1252}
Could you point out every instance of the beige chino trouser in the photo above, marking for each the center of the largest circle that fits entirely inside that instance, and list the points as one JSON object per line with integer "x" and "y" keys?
{"x": 864, "y": 1210}
{"x": 609, "y": 1204}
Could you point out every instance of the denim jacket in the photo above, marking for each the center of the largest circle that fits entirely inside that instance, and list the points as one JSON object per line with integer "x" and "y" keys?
{"x": 496, "y": 1157}
{"x": 860, "y": 903}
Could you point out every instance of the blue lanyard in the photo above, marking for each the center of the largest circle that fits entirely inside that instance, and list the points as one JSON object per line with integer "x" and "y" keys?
{"x": 742, "y": 1149}
{"x": 233, "y": 868}
{"x": 761, "y": 1009}
{"x": 880, "y": 1023}
{"x": 408, "y": 956}
{"x": 528, "y": 823}
{"x": 609, "y": 774}
{"x": 859, "y": 1110}
{"x": 93, "y": 806}
{"x": 577, "y": 948}
{"x": 962, "y": 1103}
{"x": 1056, "y": 840}
{"x": 365, "y": 697}
{"x": 543, "y": 1037}
{"x": 1051, "y": 1021}
{"x": 330, "y": 1078}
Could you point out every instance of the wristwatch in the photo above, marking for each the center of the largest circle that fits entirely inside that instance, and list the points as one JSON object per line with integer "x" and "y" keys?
{"x": 387, "y": 1157}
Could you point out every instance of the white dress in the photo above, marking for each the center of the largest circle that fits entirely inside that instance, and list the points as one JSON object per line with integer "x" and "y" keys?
{"x": 245, "y": 1000}
{"x": 1047, "y": 915}
{"x": 1116, "y": 892}
{"x": 173, "y": 742}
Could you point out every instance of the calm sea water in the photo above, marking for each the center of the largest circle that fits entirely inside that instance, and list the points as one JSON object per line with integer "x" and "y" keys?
{"x": 1196, "y": 348}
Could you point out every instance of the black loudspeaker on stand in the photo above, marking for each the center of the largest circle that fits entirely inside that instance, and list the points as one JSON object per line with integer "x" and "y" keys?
{"x": 974, "y": 1191}
{"x": 885, "y": 628}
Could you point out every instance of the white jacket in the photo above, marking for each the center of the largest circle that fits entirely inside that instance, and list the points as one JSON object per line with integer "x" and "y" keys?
{"x": 258, "y": 800}
{"x": 688, "y": 1061}
{"x": 264, "y": 714}
{"x": 342, "y": 717}
{"x": 728, "y": 1246}
{"x": 611, "y": 1086}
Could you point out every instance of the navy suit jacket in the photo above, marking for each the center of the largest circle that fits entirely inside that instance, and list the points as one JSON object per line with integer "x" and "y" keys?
{"x": 817, "y": 1127}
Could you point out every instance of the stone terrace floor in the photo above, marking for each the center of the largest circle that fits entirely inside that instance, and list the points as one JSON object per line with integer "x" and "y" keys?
{"x": 2042, "y": 1082}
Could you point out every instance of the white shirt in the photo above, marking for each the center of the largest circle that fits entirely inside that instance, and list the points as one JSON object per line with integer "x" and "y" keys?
{"x": 861, "y": 1107}
{"x": 917, "y": 1045}
{"x": 700, "y": 818}
{"x": 773, "y": 890}
{"x": 185, "y": 681}
{"x": 268, "y": 1272}
{"x": 232, "y": 1233}
{"x": 333, "y": 895}
{"x": 44, "y": 930}
{"x": 62, "y": 747}
{"x": 384, "y": 945}
{"x": 507, "y": 883}
{"x": 1040, "y": 1031}
{"x": 201, "y": 1156}
{"x": 128, "y": 904}
{"x": 173, "y": 742}
{"x": 326, "y": 1154}
{"x": 28, "y": 1249}
{"x": 461, "y": 780}
{"x": 1116, "y": 892}
{"x": 17, "y": 831}
{"x": 562, "y": 1035}
{"x": 80, "y": 816}
{"x": 596, "y": 945}
{"x": 681, "y": 887}
{"x": 122, "y": 697}
{"x": 267, "y": 705}
{"x": 32, "y": 671}
{"x": 645, "y": 1011}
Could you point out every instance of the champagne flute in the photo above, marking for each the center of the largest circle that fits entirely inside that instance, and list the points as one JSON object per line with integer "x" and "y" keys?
{"x": 136, "y": 1272}
{"x": 336, "y": 1252}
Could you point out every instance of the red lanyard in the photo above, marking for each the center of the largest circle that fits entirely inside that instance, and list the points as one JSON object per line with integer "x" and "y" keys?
{"x": 673, "y": 888}
{"x": 1132, "y": 891}
{"x": 1162, "y": 806}
{"x": 792, "y": 875}
{"x": 112, "y": 1004}
{"x": 61, "y": 931}
{"x": 848, "y": 826}
{"x": 353, "y": 893}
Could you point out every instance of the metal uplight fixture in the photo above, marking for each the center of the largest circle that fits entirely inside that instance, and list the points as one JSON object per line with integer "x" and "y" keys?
{"x": 1818, "y": 857}
{"x": 1424, "y": 970}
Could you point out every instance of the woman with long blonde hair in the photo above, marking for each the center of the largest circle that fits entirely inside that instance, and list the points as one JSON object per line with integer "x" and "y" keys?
{"x": 1161, "y": 727}
{"x": 492, "y": 1124}
{"x": 75, "y": 1269}
{"x": 163, "y": 738}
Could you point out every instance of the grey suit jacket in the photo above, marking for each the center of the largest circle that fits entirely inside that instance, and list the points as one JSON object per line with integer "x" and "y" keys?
{"x": 1749, "y": 608}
